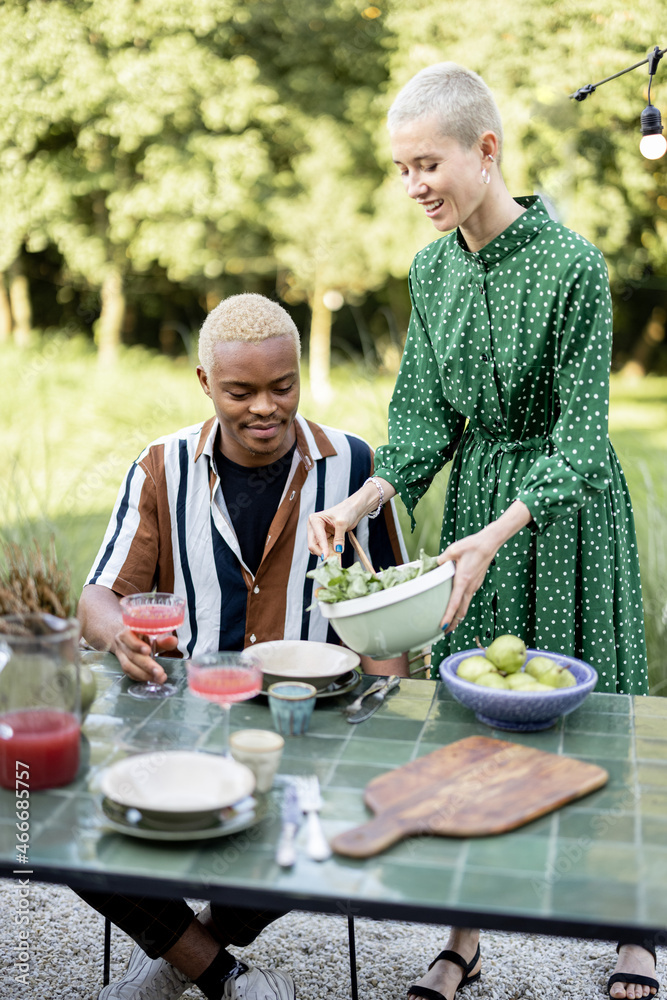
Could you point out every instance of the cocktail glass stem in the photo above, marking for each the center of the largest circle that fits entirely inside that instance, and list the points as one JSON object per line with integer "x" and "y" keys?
{"x": 151, "y": 689}
{"x": 226, "y": 712}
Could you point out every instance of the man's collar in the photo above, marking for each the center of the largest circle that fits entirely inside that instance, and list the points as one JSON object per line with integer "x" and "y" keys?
{"x": 207, "y": 438}
{"x": 311, "y": 441}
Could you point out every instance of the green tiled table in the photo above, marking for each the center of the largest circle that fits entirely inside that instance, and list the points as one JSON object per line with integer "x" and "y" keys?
{"x": 595, "y": 868}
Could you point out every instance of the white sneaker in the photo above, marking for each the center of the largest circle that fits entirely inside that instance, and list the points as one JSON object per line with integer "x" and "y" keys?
{"x": 148, "y": 979}
{"x": 260, "y": 984}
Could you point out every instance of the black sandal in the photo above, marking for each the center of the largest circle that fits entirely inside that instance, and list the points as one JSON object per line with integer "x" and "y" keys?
{"x": 448, "y": 956}
{"x": 633, "y": 978}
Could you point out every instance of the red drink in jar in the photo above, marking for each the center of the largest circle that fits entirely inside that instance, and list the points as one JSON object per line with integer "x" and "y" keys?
{"x": 45, "y": 740}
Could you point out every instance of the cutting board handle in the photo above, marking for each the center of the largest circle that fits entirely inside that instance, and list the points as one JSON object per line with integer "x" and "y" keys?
{"x": 371, "y": 838}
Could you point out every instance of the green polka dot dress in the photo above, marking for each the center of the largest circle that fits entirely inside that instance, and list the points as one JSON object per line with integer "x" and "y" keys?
{"x": 506, "y": 370}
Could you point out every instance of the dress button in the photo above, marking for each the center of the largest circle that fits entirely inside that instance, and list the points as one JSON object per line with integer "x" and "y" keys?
{"x": 485, "y": 358}
{"x": 256, "y": 590}
{"x": 498, "y": 423}
{"x": 253, "y": 638}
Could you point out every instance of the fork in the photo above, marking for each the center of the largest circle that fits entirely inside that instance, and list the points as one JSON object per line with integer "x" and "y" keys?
{"x": 356, "y": 704}
{"x": 317, "y": 845}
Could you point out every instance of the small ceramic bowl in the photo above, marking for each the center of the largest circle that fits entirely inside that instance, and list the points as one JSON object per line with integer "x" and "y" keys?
{"x": 291, "y": 704}
{"x": 519, "y": 711}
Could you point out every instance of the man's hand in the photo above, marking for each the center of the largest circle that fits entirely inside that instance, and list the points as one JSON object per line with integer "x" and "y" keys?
{"x": 134, "y": 655}
{"x": 102, "y": 625}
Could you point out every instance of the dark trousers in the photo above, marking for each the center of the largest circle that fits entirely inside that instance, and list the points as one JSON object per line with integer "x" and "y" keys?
{"x": 157, "y": 924}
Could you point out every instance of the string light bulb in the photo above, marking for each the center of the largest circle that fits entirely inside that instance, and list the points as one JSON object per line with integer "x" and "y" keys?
{"x": 653, "y": 144}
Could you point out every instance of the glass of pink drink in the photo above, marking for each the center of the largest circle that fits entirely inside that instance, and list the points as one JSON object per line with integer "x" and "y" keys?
{"x": 224, "y": 678}
{"x": 152, "y": 615}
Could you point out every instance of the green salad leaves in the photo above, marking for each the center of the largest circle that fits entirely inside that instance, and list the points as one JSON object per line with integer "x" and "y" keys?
{"x": 338, "y": 584}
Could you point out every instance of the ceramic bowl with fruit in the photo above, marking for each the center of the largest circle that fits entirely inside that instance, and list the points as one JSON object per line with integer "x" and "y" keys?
{"x": 397, "y": 609}
{"x": 513, "y": 688}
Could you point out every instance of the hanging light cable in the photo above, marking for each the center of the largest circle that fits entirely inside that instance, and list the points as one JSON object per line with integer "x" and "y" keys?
{"x": 653, "y": 144}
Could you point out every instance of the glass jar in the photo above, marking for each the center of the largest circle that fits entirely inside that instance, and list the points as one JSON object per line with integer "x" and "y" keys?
{"x": 40, "y": 701}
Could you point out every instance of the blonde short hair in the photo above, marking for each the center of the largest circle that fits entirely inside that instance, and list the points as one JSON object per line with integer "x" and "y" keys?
{"x": 248, "y": 318}
{"x": 458, "y": 98}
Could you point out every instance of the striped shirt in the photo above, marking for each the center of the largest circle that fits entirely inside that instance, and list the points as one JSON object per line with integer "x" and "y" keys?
{"x": 170, "y": 530}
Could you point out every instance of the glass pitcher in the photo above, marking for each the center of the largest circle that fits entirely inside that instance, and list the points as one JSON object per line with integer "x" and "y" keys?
{"x": 40, "y": 701}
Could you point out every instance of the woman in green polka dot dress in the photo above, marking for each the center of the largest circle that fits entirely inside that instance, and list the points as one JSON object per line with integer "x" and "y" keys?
{"x": 506, "y": 371}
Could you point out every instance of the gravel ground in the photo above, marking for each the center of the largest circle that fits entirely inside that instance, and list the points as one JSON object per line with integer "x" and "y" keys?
{"x": 66, "y": 939}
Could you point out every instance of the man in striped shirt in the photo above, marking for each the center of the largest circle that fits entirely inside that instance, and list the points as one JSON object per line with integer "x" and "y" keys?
{"x": 218, "y": 513}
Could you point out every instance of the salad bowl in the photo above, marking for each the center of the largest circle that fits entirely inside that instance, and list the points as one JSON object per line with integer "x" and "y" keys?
{"x": 389, "y": 622}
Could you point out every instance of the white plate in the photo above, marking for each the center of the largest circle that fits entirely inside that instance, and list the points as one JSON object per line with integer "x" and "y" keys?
{"x": 317, "y": 663}
{"x": 177, "y": 781}
{"x": 112, "y": 819}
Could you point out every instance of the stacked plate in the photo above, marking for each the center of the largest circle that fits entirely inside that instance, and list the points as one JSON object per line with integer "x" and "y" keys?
{"x": 179, "y": 795}
{"x": 329, "y": 668}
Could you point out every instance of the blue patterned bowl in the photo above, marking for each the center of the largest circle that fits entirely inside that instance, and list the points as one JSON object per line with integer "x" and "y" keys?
{"x": 519, "y": 711}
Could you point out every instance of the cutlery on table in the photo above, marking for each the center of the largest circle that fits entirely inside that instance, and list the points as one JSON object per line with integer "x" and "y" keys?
{"x": 376, "y": 699}
{"x": 291, "y": 815}
{"x": 317, "y": 845}
{"x": 356, "y": 704}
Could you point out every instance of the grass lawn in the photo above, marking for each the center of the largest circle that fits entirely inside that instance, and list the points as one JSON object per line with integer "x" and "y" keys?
{"x": 70, "y": 428}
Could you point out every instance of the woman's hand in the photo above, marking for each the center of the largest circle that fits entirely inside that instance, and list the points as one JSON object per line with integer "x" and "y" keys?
{"x": 327, "y": 528}
{"x": 473, "y": 556}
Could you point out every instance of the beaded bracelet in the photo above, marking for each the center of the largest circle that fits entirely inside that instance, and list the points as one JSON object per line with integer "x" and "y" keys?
{"x": 379, "y": 487}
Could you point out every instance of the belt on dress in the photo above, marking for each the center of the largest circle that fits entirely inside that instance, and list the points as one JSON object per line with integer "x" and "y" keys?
{"x": 526, "y": 444}
{"x": 498, "y": 447}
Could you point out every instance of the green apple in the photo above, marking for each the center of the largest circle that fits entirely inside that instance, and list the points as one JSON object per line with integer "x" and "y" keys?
{"x": 473, "y": 667}
{"x": 520, "y": 681}
{"x": 548, "y": 671}
{"x": 565, "y": 678}
{"x": 492, "y": 679}
{"x": 540, "y": 667}
{"x": 508, "y": 652}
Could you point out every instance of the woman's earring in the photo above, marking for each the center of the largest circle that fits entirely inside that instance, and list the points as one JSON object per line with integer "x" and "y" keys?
{"x": 486, "y": 176}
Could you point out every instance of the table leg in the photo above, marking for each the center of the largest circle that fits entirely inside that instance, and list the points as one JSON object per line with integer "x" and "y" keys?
{"x": 107, "y": 951}
{"x": 353, "y": 958}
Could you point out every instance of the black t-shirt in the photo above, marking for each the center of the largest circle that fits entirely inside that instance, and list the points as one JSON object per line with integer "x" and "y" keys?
{"x": 252, "y": 495}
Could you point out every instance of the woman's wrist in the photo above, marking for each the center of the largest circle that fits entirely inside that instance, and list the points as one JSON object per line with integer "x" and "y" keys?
{"x": 374, "y": 493}
{"x": 516, "y": 517}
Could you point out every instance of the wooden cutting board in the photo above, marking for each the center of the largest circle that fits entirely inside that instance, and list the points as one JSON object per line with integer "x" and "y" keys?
{"x": 472, "y": 788}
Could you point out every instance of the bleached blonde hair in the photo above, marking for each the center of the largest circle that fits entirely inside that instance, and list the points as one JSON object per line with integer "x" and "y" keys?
{"x": 458, "y": 98}
{"x": 247, "y": 317}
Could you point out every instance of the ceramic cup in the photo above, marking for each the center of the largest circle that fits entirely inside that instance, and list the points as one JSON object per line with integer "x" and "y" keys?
{"x": 260, "y": 750}
{"x": 291, "y": 704}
